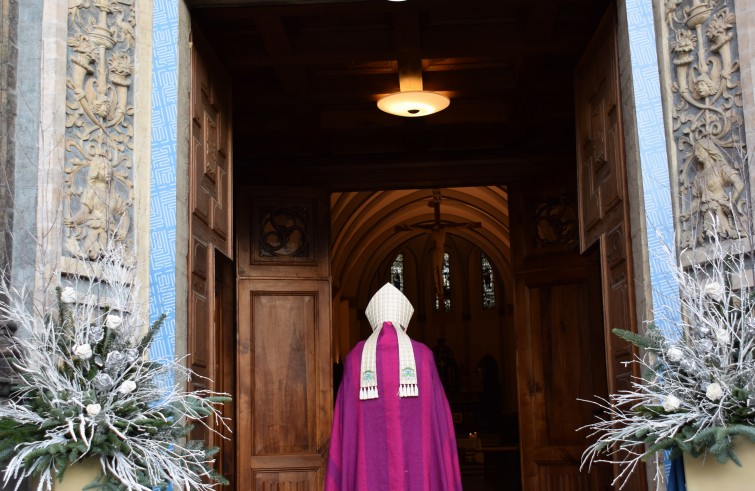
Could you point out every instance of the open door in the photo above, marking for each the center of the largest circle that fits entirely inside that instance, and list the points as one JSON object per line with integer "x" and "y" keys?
{"x": 285, "y": 394}
{"x": 604, "y": 219}
{"x": 567, "y": 303}
{"x": 210, "y": 325}
{"x": 559, "y": 360}
{"x": 559, "y": 336}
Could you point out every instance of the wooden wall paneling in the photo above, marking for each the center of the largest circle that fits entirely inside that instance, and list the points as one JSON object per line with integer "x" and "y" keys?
{"x": 210, "y": 166}
{"x": 201, "y": 337}
{"x": 285, "y": 387}
{"x": 200, "y": 331}
{"x": 225, "y": 360}
{"x": 600, "y": 153}
{"x": 603, "y": 207}
{"x": 559, "y": 359}
{"x": 284, "y": 232}
{"x": 210, "y": 326}
{"x": 284, "y": 359}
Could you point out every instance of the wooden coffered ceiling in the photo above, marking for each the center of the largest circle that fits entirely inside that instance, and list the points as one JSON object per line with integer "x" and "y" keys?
{"x": 307, "y": 75}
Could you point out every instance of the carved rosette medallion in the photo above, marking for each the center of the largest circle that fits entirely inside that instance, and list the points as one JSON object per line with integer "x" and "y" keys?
{"x": 98, "y": 183}
{"x": 555, "y": 223}
{"x": 284, "y": 232}
{"x": 707, "y": 118}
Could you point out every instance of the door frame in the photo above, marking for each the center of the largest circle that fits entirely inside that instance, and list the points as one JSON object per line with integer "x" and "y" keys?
{"x": 632, "y": 239}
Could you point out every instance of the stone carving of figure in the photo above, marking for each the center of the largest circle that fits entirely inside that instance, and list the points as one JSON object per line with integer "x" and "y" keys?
{"x": 717, "y": 194}
{"x": 102, "y": 211}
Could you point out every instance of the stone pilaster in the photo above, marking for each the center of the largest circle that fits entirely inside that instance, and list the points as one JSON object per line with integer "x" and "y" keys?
{"x": 703, "y": 90}
{"x": 8, "y": 63}
{"x": 745, "y": 16}
{"x": 98, "y": 178}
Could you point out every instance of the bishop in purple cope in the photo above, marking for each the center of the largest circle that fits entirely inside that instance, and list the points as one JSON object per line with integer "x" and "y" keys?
{"x": 392, "y": 427}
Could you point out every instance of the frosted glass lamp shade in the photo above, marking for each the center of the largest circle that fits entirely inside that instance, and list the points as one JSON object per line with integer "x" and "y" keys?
{"x": 413, "y": 104}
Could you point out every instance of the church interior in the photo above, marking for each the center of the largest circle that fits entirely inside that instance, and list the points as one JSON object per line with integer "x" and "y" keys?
{"x": 306, "y": 79}
{"x": 387, "y": 236}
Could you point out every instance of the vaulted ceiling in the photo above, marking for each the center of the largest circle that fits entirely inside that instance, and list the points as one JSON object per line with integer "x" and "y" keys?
{"x": 307, "y": 75}
{"x": 364, "y": 236}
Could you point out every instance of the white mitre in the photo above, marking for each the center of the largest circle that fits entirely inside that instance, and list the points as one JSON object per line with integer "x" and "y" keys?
{"x": 388, "y": 305}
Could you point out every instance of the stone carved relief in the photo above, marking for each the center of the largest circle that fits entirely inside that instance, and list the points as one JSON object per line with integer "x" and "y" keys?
{"x": 707, "y": 118}
{"x": 98, "y": 183}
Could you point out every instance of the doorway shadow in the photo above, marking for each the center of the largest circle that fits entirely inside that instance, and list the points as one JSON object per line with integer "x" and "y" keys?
{"x": 487, "y": 463}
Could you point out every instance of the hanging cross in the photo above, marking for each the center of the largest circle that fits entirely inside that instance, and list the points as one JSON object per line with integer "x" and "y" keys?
{"x": 437, "y": 230}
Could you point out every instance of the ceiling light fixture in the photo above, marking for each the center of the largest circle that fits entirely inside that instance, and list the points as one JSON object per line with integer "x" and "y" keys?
{"x": 413, "y": 103}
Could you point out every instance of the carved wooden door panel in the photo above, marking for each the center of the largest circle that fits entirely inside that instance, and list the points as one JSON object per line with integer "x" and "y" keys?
{"x": 210, "y": 326}
{"x": 559, "y": 359}
{"x": 559, "y": 335}
{"x": 285, "y": 401}
{"x": 603, "y": 206}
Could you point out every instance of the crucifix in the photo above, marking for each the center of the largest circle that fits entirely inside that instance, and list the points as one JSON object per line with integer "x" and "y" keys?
{"x": 437, "y": 229}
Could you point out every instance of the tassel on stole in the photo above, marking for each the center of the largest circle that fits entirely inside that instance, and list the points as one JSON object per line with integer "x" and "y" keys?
{"x": 366, "y": 393}
{"x": 408, "y": 390}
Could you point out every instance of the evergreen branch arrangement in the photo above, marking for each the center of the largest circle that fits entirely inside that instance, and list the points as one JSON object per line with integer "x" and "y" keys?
{"x": 697, "y": 392}
{"x": 87, "y": 388}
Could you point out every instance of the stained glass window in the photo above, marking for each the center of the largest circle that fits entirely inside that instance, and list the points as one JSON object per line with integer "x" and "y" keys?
{"x": 488, "y": 287}
{"x": 397, "y": 272}
{"x": 446, "y": 285}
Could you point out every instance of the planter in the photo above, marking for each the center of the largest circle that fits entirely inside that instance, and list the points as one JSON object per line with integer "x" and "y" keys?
{"x": 705, "y": 474}
{"x": 78, "y": 476}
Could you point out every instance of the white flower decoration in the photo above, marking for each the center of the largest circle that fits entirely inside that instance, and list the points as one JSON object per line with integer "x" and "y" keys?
{"x": 102, "y": 381}
{"x": 115, "y": 360}
{"x": 715, "y": 291}
{"x": 674, "y": 354}
{"x": 714, "y": 391}
{"x": 113, "y": 321}
{"x": 131, "y": 355}
{"x": 93, "y": 409}
{"x": 671, "y": 403}
{"x": 127, "y": 387}
{"x": 96, "y": 334}
{"x": 722, "y": 335}
{"x": 83, "y": 351}
{"x": 68, "y": 295}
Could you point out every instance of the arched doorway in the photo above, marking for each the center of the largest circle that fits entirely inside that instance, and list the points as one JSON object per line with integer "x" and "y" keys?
{"x": 387, "y": 236}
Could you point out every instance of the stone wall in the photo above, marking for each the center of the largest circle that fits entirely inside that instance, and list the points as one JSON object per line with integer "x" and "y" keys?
{"x": 26, "y": 139}
{"x": 8, "y": 57}
{"x": 8, "y": 61}
{"x": 745, "y": 13}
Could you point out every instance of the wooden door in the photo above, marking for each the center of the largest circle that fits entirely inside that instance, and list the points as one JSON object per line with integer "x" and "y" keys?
{"x": 285, "y": 401}
{"x": 560, "y": 359}
{"x": 210, "y": 326}
{"x": 604, "y": 215}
